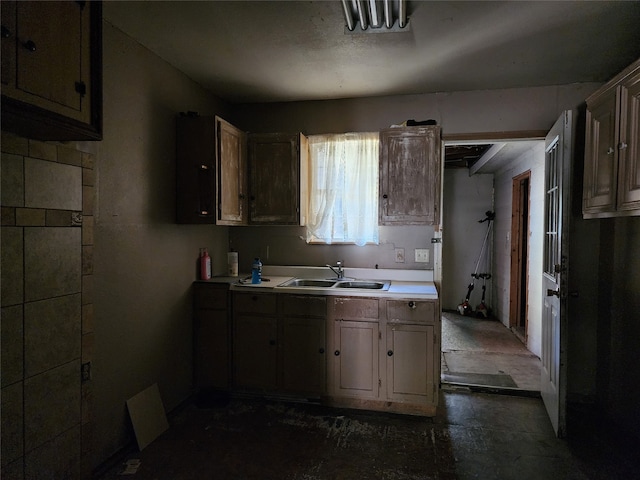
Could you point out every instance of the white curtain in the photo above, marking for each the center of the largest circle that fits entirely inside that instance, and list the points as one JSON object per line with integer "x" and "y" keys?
{"x": 343, "y": 193}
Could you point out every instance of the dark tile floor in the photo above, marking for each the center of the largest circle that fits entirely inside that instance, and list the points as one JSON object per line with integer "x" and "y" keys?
{"x": 475, "y": 435}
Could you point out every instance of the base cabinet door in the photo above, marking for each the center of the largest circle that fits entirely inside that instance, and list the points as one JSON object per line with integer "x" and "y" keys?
{"x": 303, "y": 356}
{"x": 211, "y": 336}
{"x": 255, "y": 352}
{"x": 410, "y": 363}
{"x": 355, "y": 359}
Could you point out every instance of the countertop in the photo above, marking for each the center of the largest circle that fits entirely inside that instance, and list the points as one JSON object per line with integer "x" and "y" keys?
{"x": 403, "y": 283}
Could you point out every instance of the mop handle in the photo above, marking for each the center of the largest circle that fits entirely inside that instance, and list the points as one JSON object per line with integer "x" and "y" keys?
{"x": 484, "y": 244}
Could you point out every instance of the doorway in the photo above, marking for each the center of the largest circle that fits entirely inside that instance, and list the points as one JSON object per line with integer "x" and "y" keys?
{"x": 486, "y": 352}
{"x": 519, "y": 288}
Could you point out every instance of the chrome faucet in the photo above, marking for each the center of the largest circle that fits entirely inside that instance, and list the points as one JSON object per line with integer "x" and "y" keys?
{"x": 339, "y": 272}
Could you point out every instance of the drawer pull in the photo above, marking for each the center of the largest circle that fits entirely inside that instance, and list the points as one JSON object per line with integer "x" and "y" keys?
{"x": 336, "y": 353}
{"x": 321, "y": 350}
{"x": 272, "y": 342}
{"x": 412, "y": 304}
{"x": 390, "y": 353}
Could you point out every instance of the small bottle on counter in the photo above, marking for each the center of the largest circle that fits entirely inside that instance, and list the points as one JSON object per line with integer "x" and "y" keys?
{"x": 205, "y": 264}
{"x": 232, "y": 263}
{"x": 256, "y": 271}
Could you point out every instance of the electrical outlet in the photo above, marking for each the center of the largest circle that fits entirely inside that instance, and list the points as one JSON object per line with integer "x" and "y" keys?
{"x": 399, "y": 255}
{"x": 422, "y": 255}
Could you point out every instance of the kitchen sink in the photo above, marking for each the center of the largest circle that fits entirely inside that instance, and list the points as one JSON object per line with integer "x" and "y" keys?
{"x": 336, "y": 283}
{"x": 371, "y": 285}
{"x": 308, "y": 282}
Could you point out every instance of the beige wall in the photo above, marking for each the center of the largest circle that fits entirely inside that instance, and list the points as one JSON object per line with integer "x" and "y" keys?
{"x": 144, "y": 262}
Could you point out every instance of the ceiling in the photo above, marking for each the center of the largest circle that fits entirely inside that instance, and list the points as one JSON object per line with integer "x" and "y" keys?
{"x": 273, "y": 51}
{"x": 278, "y": 51}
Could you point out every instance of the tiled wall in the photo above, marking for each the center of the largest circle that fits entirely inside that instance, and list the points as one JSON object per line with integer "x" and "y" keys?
{"x": 46, "y": 245}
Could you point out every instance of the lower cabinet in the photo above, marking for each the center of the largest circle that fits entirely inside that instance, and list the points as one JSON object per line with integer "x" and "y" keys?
{"x": 211, "y": 336}
{"x": 410, "y": 363}
{"x": 358, "y": 352}
{"x": 355, "y": 335}
{"x": 279, "y": 343}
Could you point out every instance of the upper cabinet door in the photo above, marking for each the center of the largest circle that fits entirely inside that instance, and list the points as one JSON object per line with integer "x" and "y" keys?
{"x": 612, "y": 150}
{"x": 409, "y": 176}
{"x": 274, "y": 178}
{"x": 600, "y": 154}
{"x": 231, "y": 144}
{"x": 629, "y": 145}
{"x": 52, "y": 69}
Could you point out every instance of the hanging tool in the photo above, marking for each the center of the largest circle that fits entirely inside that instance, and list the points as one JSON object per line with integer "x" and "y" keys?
{"x": 465, "y": 307}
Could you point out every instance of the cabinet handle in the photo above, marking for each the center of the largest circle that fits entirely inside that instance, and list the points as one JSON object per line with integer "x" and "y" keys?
{"x": 6, "y": 33}
{"x": 622, "y": 146}
{"x": 321, "y": 350}
{"x": 30, "y": 45}
{"x": 272, "y": 342}
{"x": 336, "y": 353}
{"x": 241, "y": 196}
{"x": 385, "y": 196}
{"x": 390, "y": 353}
{"x": 610, "y": 151}
{"x": 412, "y": 305}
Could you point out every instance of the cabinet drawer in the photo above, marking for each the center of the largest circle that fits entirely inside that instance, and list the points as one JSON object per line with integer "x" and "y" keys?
{"x": 211, "y": 296}
{"x": 255, "y": 303}
{"x": 354, "y": 308}
{"x": 306, "y": 305}
{"x": 411, "y": 311}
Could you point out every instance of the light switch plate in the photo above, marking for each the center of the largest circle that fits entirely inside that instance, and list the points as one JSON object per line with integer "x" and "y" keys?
{"x": 399, "y": 255}
{"x": 422, "y": 255}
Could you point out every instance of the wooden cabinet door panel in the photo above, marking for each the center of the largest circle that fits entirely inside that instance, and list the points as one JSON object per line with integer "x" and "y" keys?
{"x": 232, "y": 177}
{"x": 409, "y": 176}
{"x": 629, "y": 146}
{"x": 410, "y": 363}
{"x": 356, "y": 359}
{"x": 50, "y": 47}
{"x": 354, "y": 308}
{"x": 8, "y": 58}
{"x": 600, "y": 155}
{"x": 411, "y": 311}
{"x": 211, "y": 349}
{"x": 255, "y": 352}
{"x": 274, "y": 179}
{"x": 303, "y": 355}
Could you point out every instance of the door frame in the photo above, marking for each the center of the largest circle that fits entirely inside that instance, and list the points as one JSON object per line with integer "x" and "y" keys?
{"x": 519, "y": 288}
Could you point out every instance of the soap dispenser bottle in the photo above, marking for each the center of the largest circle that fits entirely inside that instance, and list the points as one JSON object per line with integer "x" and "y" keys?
{"x": 256, "y": 271}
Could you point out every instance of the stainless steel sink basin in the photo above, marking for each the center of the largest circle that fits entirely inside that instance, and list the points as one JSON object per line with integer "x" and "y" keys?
{"x": 367, "y": 284}
{"x": 308, "y": 282}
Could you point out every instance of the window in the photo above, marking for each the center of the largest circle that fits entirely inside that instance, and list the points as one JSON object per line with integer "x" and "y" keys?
{"x": 343, "y": 188}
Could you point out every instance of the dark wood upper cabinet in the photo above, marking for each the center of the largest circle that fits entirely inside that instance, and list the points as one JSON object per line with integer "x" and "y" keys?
{"x": 211, "y": 180}
{"x": 277, "y": 166}
{"x": 410, "y": 163}
{"x": 52, "y": 69}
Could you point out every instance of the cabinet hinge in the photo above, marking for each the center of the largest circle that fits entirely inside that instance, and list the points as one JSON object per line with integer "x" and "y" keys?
{"x": 379, "y": 335}
{"x": 379, "y": 383}
{"x": 81, "y": 88}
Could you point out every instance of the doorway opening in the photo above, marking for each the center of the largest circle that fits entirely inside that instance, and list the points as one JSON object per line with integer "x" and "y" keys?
{"x": 494, "y": 352}
{"x": 519, "y": 288}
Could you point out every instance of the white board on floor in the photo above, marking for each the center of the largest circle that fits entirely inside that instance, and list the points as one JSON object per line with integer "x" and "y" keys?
{"x": 147, "y": 415}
